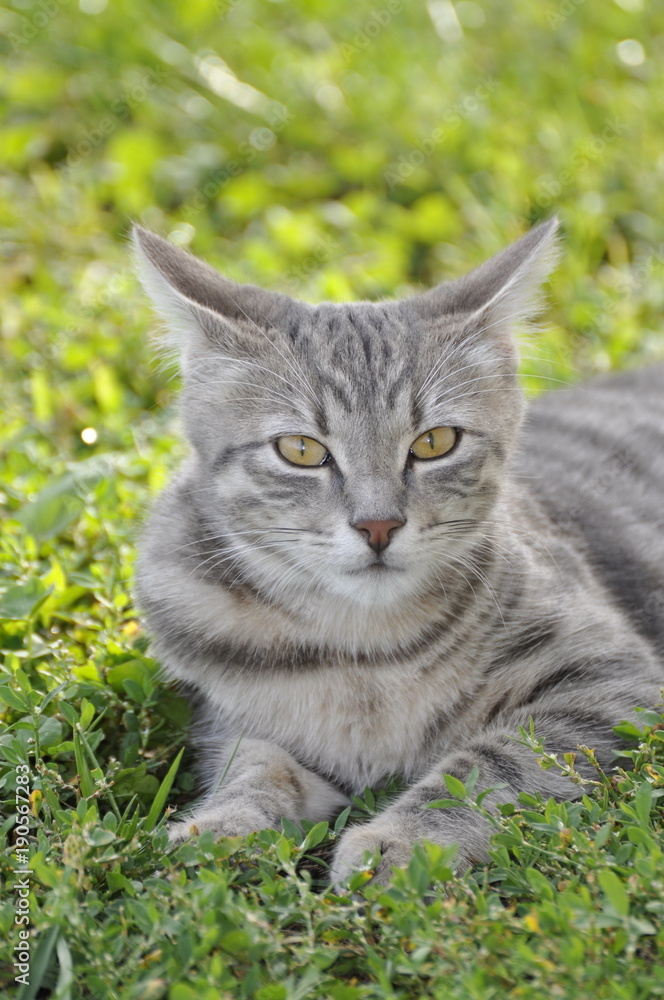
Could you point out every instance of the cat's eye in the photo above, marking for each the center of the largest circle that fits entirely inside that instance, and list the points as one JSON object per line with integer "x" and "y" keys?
{"x": 434, "y": 443}
{"x": 302, "y": 450}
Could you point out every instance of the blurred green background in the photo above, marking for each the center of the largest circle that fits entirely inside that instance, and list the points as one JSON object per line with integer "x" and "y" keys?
{"x": 333, "y": 149}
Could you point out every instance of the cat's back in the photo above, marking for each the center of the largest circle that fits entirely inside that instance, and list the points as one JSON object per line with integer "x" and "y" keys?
{"x": 594, "y": 457}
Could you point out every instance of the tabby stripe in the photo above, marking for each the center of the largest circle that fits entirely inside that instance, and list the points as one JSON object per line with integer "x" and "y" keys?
{"x": 228, "y": 455}
{"x": 338, "y": 391}
{"x": 532, "y": 638}
{"x": 560, "y": 676}
{"x": 502, "y": 764}
{"x": 498, "y": 707}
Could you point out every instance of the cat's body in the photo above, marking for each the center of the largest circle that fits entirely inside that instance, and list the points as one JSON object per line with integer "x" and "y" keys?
{"x": 380, "y": 614}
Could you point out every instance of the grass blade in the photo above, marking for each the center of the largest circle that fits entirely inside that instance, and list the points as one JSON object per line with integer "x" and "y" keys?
{"x": 162, "y": 794}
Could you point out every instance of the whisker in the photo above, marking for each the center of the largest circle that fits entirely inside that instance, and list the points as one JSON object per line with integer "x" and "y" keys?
{"x": 219, "y": 535}
{"x": 299, "y": 375}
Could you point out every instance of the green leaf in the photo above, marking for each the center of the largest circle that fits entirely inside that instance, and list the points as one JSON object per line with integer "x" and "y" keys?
{"x": 134, "y": 690}
{"x": 539, "y": 883}
{"x": 22, "y": 601}
{"x": 87, "y": 713}
{"x": 316, "y": 835}
{"x": 643, "y": 801}
{"x": 443, "y": 804}
{"x": 495, "y": 788}
{"x": 291, "y": 829}
{"x": 284, "y": 849}
{"x": 615, "y": 892}
{"x": 602, "y": 835}
{"x": 638, "y": 835}
{"x": 40, "y": 962}
{"x": 455, "y": 787}
{"x": 642, "y": 926}
{"x": 100, "y": 837}
{"x": 471, "y": 780}
{"x": 341, "y": 820}
{"x": 54, "y": 508}
{"x": 162, "y": 794}
{"x": 629, "y": 730}
{"x": 649, "y": 717}
{"x": 53, "y": 693}
{"x": 273, "y": 991}
{"x": 50, "y": 732}
{"x": 70, "y": 713}
{"x": 13, "y": 699}
{"x": 87, "y": 783}
{"x": 66, "y": 973}
{"x": 23, "y": 681}
{"x": 181, "y": 991}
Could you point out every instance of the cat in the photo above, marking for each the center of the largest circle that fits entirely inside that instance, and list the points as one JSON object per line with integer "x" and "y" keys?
{"x": 378, "y": 561}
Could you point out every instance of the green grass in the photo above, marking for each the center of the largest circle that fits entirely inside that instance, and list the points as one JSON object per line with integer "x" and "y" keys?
{"x": 364, "y": 152}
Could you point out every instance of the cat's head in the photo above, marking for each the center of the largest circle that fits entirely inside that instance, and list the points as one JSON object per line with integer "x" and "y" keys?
{"x": 353, "y": 451}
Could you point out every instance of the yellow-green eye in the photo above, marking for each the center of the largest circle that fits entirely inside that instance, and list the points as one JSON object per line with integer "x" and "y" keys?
{"x": 434, "y": 443}
{"x": 301, "y": 450}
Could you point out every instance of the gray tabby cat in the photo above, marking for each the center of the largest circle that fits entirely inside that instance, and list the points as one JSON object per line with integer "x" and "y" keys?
{"x": 369, "y": 567}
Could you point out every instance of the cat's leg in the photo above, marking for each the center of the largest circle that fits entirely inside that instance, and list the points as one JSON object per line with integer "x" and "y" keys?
{"x": 500, "y": 761}
{"x": 263, "y": 784}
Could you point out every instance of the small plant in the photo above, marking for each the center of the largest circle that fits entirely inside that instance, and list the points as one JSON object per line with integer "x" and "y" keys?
{"x": 572, "y": 898}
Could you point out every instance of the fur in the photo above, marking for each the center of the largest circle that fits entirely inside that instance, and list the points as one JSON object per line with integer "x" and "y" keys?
{"x": 527, "y": 579}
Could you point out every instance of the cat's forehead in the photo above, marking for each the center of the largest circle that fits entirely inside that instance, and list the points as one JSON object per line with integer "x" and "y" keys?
{"x": 370, "y": 329}
{"x": 371, "y": 354}
{"x": 372, "y": 341}
{"x": 360, "y": 353}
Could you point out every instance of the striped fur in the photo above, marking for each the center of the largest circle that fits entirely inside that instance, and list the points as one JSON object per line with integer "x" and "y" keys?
{"x": 527, "y": 580}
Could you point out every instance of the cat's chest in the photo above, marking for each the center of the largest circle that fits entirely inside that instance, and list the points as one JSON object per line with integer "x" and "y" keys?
{"x": 360, "y": 725}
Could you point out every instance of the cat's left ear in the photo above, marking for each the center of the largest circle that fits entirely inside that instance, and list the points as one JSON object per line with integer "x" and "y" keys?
{"x": 200, "y": 307}
{"x": 502, "y": 291}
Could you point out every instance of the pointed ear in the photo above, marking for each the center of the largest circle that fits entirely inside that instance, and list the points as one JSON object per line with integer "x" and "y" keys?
{"x": 502, "y": 291}
{"x": 200, "y": 307}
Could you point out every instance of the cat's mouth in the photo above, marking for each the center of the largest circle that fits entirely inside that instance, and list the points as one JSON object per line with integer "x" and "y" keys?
{"x": 375, "y": 568}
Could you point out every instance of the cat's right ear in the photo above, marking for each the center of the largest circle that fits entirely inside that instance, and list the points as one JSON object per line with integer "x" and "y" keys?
{"x": 501, "y": 292}
{"x": 201, "y": 309}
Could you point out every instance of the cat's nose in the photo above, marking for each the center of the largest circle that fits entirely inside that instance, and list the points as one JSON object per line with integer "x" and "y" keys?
{"x": 378, "y": 533}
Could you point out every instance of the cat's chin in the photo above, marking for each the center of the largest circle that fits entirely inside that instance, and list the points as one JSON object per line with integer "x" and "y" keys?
{"x": 377, "y": 585}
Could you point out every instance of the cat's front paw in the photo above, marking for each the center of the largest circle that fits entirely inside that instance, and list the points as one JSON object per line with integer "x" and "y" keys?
{"x": 239, "y": 821}
{"x": 389, "y": 843}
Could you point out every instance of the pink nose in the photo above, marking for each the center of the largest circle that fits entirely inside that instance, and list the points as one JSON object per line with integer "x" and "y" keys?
{"x": 378, "y": 533}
